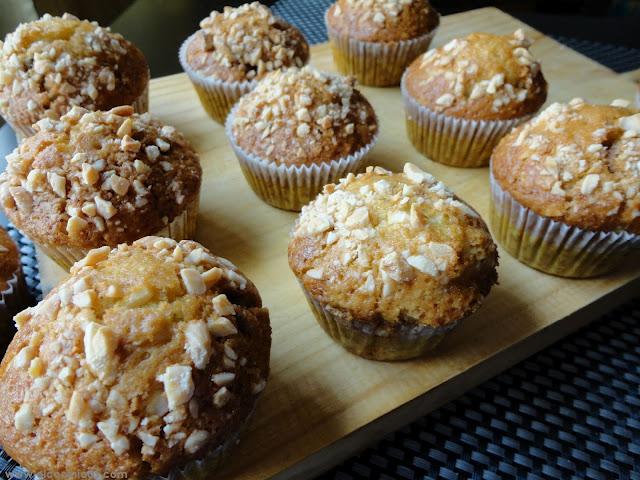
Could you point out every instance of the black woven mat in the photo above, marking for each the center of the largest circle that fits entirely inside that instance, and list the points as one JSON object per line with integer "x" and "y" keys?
{"x": 571, "y": 411}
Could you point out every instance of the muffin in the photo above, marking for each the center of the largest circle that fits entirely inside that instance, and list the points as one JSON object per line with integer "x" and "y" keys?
{"x": 147, "y": 360}
{"x": 54, "y": 63}
{"x": 565, "y": 188}
{"x": 236, "y": 48}
{"x": 391, "y": 262}
{"x": 375, "y": 40}
{"x": 14, "y": 295}
{"x": 299, "y": 130}
{"x": 101, "y": 178}
{"x": 460, "y": 99}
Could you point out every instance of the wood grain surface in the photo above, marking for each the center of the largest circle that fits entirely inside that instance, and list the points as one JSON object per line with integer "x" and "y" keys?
{"x": 321, "y": 403}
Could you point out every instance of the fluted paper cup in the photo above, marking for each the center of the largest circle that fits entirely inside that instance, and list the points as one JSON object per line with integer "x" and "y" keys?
{"x": 180, "y": 228}
{"x": 453, "y": 141}
{"x": 290, "y": 187}
{"x": 552, "y": 246}
{"x": 13, "y": 299}
{"x": 365, "y": 341}
{"x": 217, "y": 96}
{"x": 377, "y": 64}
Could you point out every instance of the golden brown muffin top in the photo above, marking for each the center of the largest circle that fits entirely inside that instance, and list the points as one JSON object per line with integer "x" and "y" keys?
{"x": 49, "y": 65}
{"x": 393, "y": 251}
{"x": 481, "y": 77}
{"x": 99, "y": 178}
{"x": 245, "y": 43}
{"x": 303, "y": 116}
{"x": 577, "y": 163}
{"x": 382, "y": 20}
{"x": 147, "y": 357}
{"x": 9, "y": 259}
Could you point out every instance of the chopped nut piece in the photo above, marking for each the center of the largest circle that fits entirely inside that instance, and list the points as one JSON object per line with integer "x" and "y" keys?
{"x": 110, "y": 429}
{"x": 94, "y": 257}
{"x": 178, "y": 385}
{"x": 222, "y": 306}
{"x": 148, "y": 439}
{"x": 163, "y": 145}
{"x": 23, "y": 199}
{"x": 85, "y": 299}
{"x": 22, "y": 318}
{"x": 125, "y": 128}
{"x": 315, "y": 273}
{"x": 589, "y": 184}
{"x": 140, "y": 296}
{"x": 198, "y": 343}
{"x": 75, "y": 225}
{"x": 36, "y": 180}
{"x": 212, "y": 276}
{"x": 36, "y": 368}
{"x": 104, "y": 207}
{"x": 423, "y": 264}
{"x": 141, "y": 167}
{"x": 222, "y": 397}
{"x": 119, "y": 185}
{"x": 196, "y": 441}
{"x": 223, "y": 379}
{"x": 153, "y": 152}
{"x": 416, "y": 175}
{"x": 128, "y": 144}
{"x": 221, "y": 327}
{"x": 100, "y": 344}
{"x": 58, "y": 184}
{"x": 85, "y": 440}
{"x": 78, "y": 409}
{"x": 24, "y": 418}
{"x": 89, "y": 209}
{"x": 631, "y": 123}
{"x": 122, "y": 110}
{"x": 258, "y": 387}
{"x": 23, "y": 358}
{"x": 113, "y": 291}
{"x": 620, "y": 102}
{"x": 193, "y": 282}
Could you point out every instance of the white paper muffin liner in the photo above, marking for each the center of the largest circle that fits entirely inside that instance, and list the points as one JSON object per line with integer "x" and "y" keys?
{"x": 12, "y": 300}
{"x": 454, "y": 141}
{"x": 364, "y": 340}
{"x": 180, "y": 228}
{"x": 552, "y": 246}
{"x": 377, "y": 64}
{"x": 290, "y": 187}
{"x": 22, "y": 131}
{"x": 217, "y": 96}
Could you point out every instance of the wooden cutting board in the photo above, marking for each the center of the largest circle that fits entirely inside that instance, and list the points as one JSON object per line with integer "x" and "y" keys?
{"x": 322, "y": 403}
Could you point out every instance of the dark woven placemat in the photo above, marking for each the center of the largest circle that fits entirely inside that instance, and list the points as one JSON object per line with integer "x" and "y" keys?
{"x": 571, "y": 411}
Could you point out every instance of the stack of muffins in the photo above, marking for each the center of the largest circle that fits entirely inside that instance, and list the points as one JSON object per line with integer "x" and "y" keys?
{"x": 149, "y": 358}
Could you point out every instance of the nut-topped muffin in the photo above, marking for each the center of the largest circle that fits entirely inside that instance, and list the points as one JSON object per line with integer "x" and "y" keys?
{"x": 375, "y": 40}
{"x": 14, "y": 295}
{"x": 235, "y": 48}
{"x": 101, "y": 178}
{"x": 54, "y": 63}
{"x": 566, "y": 188}
{"x": 147, "y": 360}
{"x": 390, "y": 262}
{"x": 461, "y": 98}
{"x": 298, "y": 130}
